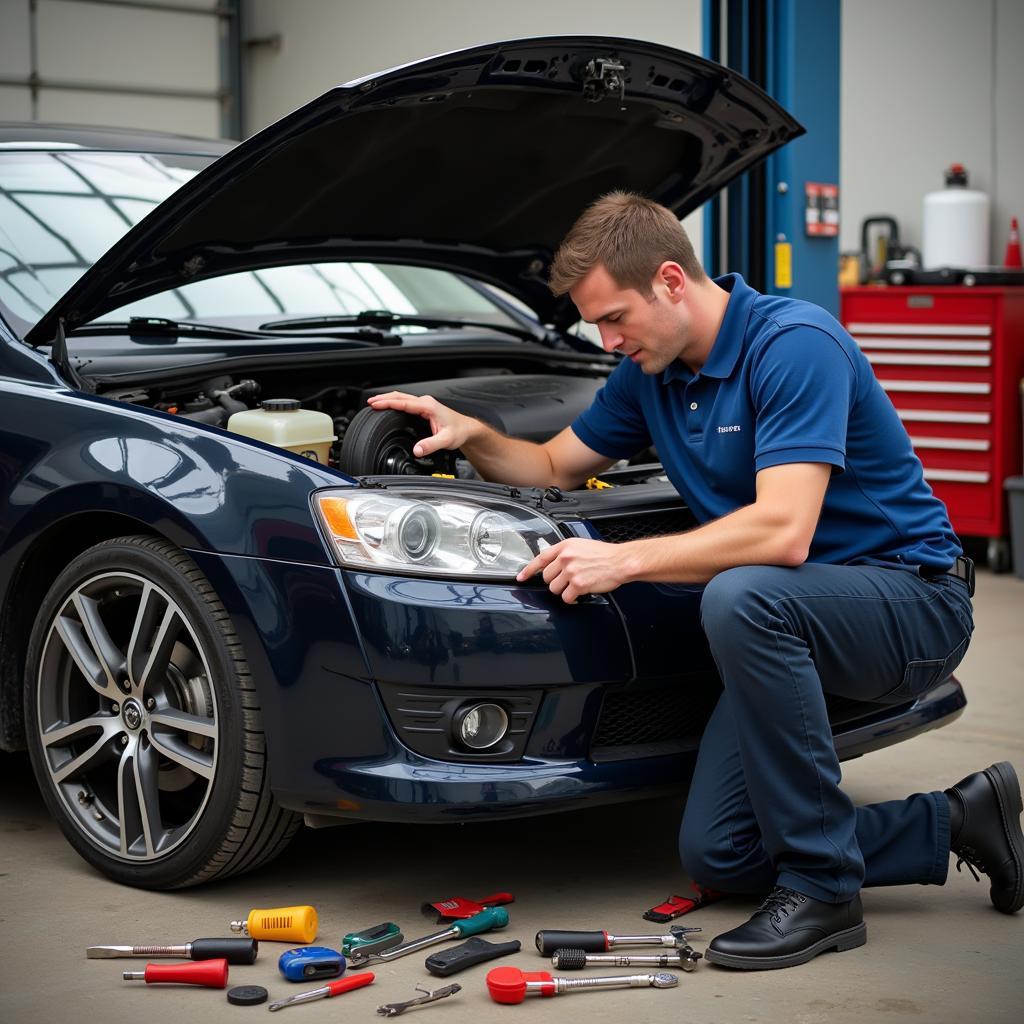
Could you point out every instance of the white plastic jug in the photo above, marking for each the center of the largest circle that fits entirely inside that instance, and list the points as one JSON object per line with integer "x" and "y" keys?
{"x": 956, "y": 224}
{"x": 284, "y": 423}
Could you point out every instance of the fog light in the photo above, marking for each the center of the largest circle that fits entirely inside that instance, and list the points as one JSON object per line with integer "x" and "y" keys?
{"x": 480, "y": 726}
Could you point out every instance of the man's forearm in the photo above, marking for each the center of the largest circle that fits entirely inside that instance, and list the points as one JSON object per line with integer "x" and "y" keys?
{"x": 751, "y": 535}
{"x": 512, "y": 461}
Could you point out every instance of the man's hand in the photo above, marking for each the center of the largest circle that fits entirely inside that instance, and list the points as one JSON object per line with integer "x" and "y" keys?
{"x": 576, "y": 567}
{"x": 449, "y": 429}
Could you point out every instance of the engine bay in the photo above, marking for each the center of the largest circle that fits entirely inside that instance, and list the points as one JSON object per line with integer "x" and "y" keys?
{"x": 331, "y": 422}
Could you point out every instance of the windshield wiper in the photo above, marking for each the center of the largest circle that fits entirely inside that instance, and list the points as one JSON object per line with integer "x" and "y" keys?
{"x": 164, "y": 328}
{"x": 385, "y": 318}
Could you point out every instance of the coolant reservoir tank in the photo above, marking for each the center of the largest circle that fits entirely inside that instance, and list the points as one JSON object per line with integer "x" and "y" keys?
{"x": 284, "y": 423}
{"x": 955, "y": 224}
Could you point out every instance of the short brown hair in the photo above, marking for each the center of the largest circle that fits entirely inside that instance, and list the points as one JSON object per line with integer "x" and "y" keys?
{"x": 631, "y": 236}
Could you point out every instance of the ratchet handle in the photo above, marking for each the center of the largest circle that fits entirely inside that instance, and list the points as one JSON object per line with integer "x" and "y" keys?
{"x": 235, "y": 951}
{"x": 589, "y": 942}
{"x": 493, "y": 917}
{"x": 342, "y": 985}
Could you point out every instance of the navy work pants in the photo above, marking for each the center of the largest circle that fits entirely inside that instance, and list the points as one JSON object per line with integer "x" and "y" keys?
{"x": 765, "y": 806}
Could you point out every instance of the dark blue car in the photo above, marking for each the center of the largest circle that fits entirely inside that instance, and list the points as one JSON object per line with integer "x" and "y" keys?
{"x": 231, "y": 598}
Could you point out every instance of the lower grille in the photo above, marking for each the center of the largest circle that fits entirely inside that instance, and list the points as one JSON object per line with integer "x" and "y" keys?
{"x": 647, "y": 721}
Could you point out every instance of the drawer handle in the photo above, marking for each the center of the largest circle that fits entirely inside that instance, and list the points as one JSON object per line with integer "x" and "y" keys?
{"x": 950, "y": 387}
{"x": 913, "y": 360}
{"x": 961, "y": 444}
{"x": 928, "y": 344}
{"x": 943, "y": 416}
{"x": 948, "y": 330}
{"x": 963, "y": 476}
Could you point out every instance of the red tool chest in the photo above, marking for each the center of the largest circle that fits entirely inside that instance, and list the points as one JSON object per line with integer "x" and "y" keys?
{"x": 951, "y": 360}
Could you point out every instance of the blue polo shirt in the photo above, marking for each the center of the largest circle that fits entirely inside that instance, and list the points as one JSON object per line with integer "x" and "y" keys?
{"x": 783, "y": 383}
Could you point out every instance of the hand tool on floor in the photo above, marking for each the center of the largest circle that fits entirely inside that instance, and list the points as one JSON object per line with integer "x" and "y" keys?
{"x": 467, "y": 954}
{"x": 211, "y": 973}
{"x": 235, "y": 951}
{"x": 372, "y": 940}
{"x": 311, "y": 963}
{"x": 511, "y": 985}
{"x": 577, "y": 959}
{"x": 331, "y": 989}
{"x": 280, "y": 924}
{"x": 676, "y": 906}
{"x": 601, "y": 942}
{"x": 458, "y": 907}
{"x": 394, "y": 1009}
{"x": 496, "y": 917}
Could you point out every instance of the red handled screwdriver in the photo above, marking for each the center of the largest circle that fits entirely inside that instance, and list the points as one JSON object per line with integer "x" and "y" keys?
{"x": 211, "y": 973}
{"x": 332, "y": 988}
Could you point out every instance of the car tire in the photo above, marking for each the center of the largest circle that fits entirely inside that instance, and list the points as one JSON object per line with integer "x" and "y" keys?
{"x": 380, "y": 443}
{"x": 143, "y": 723}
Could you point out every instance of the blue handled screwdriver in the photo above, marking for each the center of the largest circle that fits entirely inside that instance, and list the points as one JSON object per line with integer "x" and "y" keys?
{"x": 485, "y": 921}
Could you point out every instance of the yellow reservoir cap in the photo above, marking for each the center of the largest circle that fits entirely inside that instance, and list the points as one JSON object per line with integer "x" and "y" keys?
{"x": 283, "y": 924}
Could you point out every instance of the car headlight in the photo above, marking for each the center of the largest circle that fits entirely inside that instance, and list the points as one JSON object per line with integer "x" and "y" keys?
{"x": 428, "y": 533}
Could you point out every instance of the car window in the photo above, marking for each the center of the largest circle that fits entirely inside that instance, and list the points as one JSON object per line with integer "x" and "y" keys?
{"x": 60, "y": 211}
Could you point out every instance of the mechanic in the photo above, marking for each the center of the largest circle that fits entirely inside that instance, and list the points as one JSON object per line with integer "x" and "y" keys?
{"x": 830, "y": 567}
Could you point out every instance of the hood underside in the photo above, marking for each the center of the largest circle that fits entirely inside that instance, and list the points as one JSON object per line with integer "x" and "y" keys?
{"x": 476, "y": 161}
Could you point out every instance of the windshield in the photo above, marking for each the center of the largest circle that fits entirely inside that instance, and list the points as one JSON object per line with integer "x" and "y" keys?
{"x": 60, "y": 211}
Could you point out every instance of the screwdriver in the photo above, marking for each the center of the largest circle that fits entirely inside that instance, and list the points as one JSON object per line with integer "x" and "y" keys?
{"x": 280, "y": 924}
{"x": 235, "y": 951}
{"x": 332, "y": 988}
{"x": 211, "y": 973}
{"x": 493, "y": 917}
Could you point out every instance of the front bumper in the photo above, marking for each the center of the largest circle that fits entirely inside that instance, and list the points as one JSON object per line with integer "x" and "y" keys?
{"x": 322, "y": 643}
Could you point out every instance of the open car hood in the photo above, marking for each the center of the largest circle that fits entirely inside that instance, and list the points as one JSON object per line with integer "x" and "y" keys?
{"x": 476, "y": 161}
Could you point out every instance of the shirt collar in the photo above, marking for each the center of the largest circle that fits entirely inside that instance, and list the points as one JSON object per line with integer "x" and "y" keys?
{"x": 725, "y": 352}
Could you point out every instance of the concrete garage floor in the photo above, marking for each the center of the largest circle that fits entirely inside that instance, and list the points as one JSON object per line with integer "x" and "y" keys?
{"x": 933, "y": 954}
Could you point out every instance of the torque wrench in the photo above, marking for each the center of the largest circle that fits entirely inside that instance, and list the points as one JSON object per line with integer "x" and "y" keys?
{"x": 235, "y": 951}
{"x": 577, "y": 959}
{"x": 211, "y": 973}
{"x": 331, "y": 989}
{"x": 280, "y": 924}
{"x": 511, "y": 985}
{"x": 495, "y": 917}
{"x": 602, "y": 942}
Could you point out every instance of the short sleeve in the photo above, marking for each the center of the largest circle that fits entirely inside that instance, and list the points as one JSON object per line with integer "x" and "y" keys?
{"x": 614, "y": 425}
{"x": 802, "y": 385}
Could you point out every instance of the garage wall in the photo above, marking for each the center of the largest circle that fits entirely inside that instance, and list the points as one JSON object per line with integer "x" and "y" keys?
{"x": 147, "y": 67}
{"x": 298, "y": 50}
{"x": 927, "y": 83}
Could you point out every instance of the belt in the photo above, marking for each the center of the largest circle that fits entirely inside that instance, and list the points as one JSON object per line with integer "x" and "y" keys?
{"x": 962, "y": 569}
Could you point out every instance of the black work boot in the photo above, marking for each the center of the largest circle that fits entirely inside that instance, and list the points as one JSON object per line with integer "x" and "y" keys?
{"x": 790, "y": 928}
{"x": 985, "y": 832}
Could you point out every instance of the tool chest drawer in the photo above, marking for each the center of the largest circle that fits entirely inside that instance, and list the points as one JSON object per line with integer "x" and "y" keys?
{"x": 951, "y": 360}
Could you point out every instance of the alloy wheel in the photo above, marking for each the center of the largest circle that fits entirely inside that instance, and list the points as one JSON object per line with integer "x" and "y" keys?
{"x": 127, "y": 716}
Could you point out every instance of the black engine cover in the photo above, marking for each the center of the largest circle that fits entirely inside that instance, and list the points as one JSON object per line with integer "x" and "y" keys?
{"x": 534, "y": 407}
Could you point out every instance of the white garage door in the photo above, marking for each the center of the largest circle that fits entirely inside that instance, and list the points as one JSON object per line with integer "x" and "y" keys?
{"x": 167, "y": 66}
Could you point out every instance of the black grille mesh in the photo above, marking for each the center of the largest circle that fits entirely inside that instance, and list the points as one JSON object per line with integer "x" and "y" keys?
{"x": 665, "y": 714}
{"x": 619, "y": 529}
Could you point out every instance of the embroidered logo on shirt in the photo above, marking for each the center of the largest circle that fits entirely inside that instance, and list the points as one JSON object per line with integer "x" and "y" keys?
{"x": 733, "y": 428}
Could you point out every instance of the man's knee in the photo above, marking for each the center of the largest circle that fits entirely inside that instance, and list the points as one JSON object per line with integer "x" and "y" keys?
{"x": 735, "y": 596}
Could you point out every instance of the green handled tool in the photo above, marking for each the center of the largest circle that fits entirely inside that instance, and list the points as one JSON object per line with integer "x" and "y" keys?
{"x": 485, "y": 921}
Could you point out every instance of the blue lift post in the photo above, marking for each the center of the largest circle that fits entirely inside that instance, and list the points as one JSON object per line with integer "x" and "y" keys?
{"x": 791, "y": 49}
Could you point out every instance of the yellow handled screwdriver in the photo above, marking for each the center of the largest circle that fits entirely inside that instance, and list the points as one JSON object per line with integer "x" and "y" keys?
{"x": 280, "y": 924}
